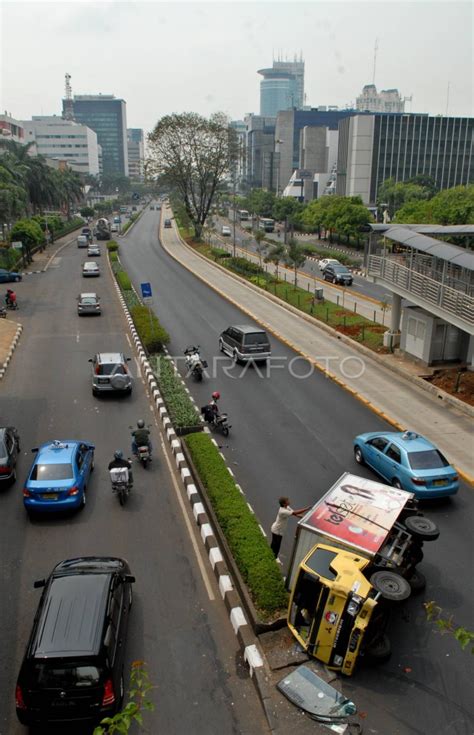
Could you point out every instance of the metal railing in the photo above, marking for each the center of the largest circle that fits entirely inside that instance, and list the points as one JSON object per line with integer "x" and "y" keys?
{"x": 433, "y": 292}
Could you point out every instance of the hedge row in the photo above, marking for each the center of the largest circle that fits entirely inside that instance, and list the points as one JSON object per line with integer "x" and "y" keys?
{"x": 112, "y": 246}
{"x": 123, "y": 280}
{"x": 249, "y": 547}
{"x": 180, "y": 407}
{"x": 151, "y": 333}
{"x": 130, "y": 222}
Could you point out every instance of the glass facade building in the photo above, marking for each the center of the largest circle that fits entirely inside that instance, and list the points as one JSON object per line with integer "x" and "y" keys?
{"x": 282, "y": 87}
{"x": 107, "y": 117}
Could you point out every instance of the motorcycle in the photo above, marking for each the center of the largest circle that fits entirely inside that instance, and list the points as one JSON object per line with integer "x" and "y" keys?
{"x": 218, "y": 421}
{"x": 143, "y": 453}
{"x": 194, "y": 363}
{"x": 11, "y": 304}
{"x": 121, "y": 483}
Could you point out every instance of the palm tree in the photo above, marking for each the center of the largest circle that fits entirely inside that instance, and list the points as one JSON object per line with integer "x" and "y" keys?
{"x": 275, "y": 256}
{"x": 70, "y": 189}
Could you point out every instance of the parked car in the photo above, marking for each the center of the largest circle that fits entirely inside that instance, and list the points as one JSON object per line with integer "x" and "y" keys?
{"x": 225, "y": 231}
{"x": 245, "y": 343}
{"x": 339, "y": 274}
{"x": 93, "y": 250}
{"x": 167, "y": 223}
{"x": 152, "y": 207}
{"x": 90, "y": 269}
{"x": 59, "y": 476}
{"x": 327, "y": 261}
{"x": 110, "y": 373}
{"x": 82, "y": 241}
{"x": 7, "y": 276}
{"x": 88, "y": 303}
{"x": 72, "y": 670}
{"x": 408, "y": 461}
{"x": 9, "y": 449}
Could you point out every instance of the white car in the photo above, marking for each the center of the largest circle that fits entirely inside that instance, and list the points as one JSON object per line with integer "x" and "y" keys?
{"x": 93, "y": 250}
{"x": 114, "y": 228}
{"x": 225, "y": 231}
{"x": 82, "y": 241}
{"x": 90, "y": 268}
{"x": 327, "y": 261}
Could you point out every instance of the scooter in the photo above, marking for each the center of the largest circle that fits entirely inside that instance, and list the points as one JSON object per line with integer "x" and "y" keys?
{"x": 218, "y": 421}
{"x": 121, "y": 483}
{"x": 11, "y": 304}
{"x": 194, "y": 363}
{"x": 143, "y": 453}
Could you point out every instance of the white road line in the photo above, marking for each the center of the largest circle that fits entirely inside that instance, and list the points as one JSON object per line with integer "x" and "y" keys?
{"x": 77, "y": 337}
{"x": 189, "y": 526}
{"x": 128, "y": 340}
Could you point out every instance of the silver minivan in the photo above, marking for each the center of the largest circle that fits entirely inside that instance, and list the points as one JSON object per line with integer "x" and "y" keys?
{"x": 110, "y": 373}
{"x": 245, "y": 343}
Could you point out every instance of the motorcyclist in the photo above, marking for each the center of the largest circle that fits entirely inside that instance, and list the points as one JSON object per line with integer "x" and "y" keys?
{"x": 141, "y": 437}
{"x": 10, "y": 297}
{"x": 119, "y": 461}
{"x": 211, "y": 411}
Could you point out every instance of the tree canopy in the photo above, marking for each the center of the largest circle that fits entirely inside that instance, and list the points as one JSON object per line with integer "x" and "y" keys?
{"x": 449, "y": 207}
{"x": 193, "y": 155}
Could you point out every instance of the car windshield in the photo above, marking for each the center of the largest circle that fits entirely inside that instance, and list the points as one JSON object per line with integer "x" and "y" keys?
{"x": 257, "y": 338}
{"x": 109, "y": 368}
{"x": 339, "y": 268}
{"x": 89, "y": 300}
{"x": 46, "y": 472}
{"x": 431, "y": 459}
{"x": 52, "y": 675}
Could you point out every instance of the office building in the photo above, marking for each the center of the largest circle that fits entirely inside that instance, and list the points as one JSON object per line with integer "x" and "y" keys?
{"x": 107, "y": 116}
{"x": 282, "y": 87}
{"x": 11, "y": 129}
{"x": 63, "y": 140}
{"x": 388, "y": 100}
{"x": 374, "y": 148}
{"x": 260, "y": 151}
{"x": 136, "y": 153}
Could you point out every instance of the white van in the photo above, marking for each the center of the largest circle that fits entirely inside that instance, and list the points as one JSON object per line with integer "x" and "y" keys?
{"x": 82, "y": 241}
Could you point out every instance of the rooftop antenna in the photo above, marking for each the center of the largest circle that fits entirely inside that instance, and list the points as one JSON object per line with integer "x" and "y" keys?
{"x": 68, "y": 106}
{"x": 447, "y": 98}
{"x": 376, "y": 48}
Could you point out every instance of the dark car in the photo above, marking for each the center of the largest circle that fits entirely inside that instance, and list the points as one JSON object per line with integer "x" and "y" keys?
{"x": 8, "y": 276}
{"x": 167, "y": 223}
{"x": 245, "y": 343}
{"x": 9, "y": 448}
{"x": 72, "y": 670}
{"x": 338, "y": 274}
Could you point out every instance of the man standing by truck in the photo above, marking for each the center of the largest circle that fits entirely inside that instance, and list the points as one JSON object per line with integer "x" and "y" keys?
{"x": 281, "y": 521}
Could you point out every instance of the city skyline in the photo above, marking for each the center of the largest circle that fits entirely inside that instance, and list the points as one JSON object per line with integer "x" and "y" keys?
{"x": 130, "y": 50}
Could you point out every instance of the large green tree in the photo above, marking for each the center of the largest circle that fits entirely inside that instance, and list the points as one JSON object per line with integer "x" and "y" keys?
{"x": 449, "y": 207}
{"x": 193, "y": 155}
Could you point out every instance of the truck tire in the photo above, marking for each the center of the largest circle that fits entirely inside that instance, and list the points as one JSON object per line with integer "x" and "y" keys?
{"x": 391, "y": 586}
{"x": 422, "y": 528}
{"x": 378, "y": 650}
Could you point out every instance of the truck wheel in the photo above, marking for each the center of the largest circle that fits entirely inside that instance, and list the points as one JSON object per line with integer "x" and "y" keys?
{"x": 390, "y": 585}
{"x": 417, "y": 581}
{"x": 422, "y": 528}
{"x": 378, "y": 650}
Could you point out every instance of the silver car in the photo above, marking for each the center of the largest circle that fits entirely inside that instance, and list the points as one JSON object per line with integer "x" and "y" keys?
{"x": 88, "y": 303}
{"x": 93, "y": 251}
{"x": 110, "y": 373}
{"x": 90, "y": 268}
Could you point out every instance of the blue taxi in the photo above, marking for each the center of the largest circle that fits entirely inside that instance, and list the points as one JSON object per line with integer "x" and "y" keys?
{"x": 59, "y": 476}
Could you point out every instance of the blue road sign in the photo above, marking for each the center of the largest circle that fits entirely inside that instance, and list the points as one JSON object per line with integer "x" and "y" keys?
{"x": 146, "y": 290}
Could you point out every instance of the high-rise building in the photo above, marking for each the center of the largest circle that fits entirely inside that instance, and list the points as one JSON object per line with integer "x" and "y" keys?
{"x": 388, "y": 100}
{"x": 107, "y": 116}
{"x": 282, "y": 87}
{"x": 63, "y": 140}
{"x": 260, "y": 151}
{"x": 136, "y": 153}
{"x": 374, "y": 148}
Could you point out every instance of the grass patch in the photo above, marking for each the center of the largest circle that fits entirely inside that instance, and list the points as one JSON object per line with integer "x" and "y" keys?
{"x": 180, "y": 407}
{"x": 148, "y": 326}
{"x": 112, "y": 246}
{"x": 123, "y": 280}
{"x": 113, "y": 256}
{"x": 249, "y": 548}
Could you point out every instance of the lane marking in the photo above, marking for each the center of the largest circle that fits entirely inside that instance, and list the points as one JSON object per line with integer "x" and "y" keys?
{"x": 189, "y": 526}
{"x": 128, "y": 340}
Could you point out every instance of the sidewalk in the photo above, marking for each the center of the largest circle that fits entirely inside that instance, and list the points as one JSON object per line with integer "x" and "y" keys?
{"x": 392, "y": 394}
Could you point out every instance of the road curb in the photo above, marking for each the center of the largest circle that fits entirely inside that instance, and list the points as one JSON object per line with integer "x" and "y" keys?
{"x": 13, "y": 345}
{"x": 248, "y": 642}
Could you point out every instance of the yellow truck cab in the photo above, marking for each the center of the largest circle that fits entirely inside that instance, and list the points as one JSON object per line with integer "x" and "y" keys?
{"x": 355, "y": 554}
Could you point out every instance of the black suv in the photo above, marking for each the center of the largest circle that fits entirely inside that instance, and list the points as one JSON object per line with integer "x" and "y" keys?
{"x": 338, "y": 274}
{"x": 9, "y": 448}
{"x": 73, "y": 666}
{"x": 245, "y": 343}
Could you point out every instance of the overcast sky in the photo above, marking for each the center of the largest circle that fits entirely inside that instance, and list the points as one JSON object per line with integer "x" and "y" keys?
{"x": 164, "y": 57}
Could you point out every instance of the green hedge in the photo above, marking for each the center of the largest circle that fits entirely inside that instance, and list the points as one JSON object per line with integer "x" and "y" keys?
{"x": 112, "y": 246}
{"x": 249, "y": 547}
{"x": 180, "y": 407}
{"x": 151, "y": 333}
{"x": 130, "y": 222}
{"x": 113, "y": 256}
{"x": 123, "y": 280}
{"x": 68, "y": 227}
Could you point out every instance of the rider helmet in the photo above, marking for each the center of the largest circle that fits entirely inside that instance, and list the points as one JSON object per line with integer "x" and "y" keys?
{"x": 216, "y": 395}
{"x": 118, "y": 454}
{"x": 140, "y": 424}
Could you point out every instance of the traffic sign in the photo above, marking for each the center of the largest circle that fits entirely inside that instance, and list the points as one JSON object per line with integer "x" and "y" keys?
{"x": 146, "y": 290}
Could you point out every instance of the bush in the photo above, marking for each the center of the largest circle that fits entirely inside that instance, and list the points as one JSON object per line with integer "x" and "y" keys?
{"x": 123, "y": 280}
{"x": 245, "y": 267}
{"x": 180, "y": 407}
{"x": 218, "y": 253}
{"x": 249, "y": 548}
{"x": 113, "y": 256}
{"x": 28, "y": 232}
{"x": 151, "y": 333}
{"x": 112, "y": 246}
{"x": 9, "y": 258}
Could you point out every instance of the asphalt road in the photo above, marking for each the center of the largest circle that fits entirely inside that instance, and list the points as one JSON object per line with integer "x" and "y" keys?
{"x": 178, "y": 623}
{"x": 293, "y": 436}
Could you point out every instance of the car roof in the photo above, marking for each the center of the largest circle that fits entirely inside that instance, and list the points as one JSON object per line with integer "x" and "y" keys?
{"x": 90, "y": 263}
{"x": 71, "y": 623}
{"x": 89, "y": 296}
{"x": 57, "y": 452}
{"x": 409, "y": 440}
{"x": 247, "y": 328}
{"x": 110, "y": 356}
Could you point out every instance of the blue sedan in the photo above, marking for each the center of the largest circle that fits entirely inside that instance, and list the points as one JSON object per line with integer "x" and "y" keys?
{"x": 58, "y": 477}
{"x": 8, "y": 276}
{"x": 408, "y": 461}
